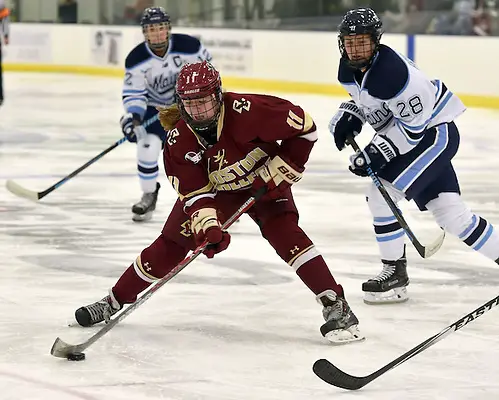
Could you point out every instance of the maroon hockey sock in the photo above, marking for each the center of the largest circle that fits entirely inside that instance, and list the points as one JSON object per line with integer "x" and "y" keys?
{"x": 129, "y": 286}
{"x": 153, "y": 263}
{"x": 316, "y": 275}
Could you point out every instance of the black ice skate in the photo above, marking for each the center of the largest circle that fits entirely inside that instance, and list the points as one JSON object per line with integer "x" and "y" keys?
{"x": 390, "y": 285}
{"x": 341, "y": 325}
{"x": 142, "y": 211}
{"x": 99, "y": 311}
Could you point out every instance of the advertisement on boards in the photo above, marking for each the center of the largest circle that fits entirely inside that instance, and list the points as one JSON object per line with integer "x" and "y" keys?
{"x": 232, "y": 51}
{"x": 106, "y": 46}
{"x": 31, "y": 44}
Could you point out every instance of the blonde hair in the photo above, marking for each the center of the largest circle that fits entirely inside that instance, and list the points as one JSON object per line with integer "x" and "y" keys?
{"x": 169, "y": 116}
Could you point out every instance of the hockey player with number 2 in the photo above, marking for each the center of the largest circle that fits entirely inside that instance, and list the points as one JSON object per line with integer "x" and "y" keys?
{"x": 221, "y": 148}
{"x": 151, "y": 70}
{"x": 412, "y": 150}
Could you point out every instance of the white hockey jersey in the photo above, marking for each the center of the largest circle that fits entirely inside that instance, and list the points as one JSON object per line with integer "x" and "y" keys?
{"x": 150, "y": 79}
{"x": 398, "y": 100}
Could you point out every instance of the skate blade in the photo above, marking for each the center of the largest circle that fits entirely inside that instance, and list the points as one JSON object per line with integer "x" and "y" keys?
{"x": 142, "y": 217}
{"x": 393, "y": 296}
{"x": 345, "y": 336}
{"x": 62, "y": 349}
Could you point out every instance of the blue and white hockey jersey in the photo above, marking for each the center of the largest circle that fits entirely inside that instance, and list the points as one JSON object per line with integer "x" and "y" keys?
{"x": 150, "y": 79}
{"x": 398, "y": 100}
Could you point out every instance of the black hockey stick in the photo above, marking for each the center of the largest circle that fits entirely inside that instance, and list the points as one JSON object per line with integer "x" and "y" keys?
{"x": 334, "y": 376}
{"x": 20, "y": 191}
{"x": 424, "y": 251}
{"x": 62, "y": 349}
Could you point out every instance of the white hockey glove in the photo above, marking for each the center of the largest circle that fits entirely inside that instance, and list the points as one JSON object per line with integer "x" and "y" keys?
{"x": 132, "y": 129}
{"x": 348, "y": 121}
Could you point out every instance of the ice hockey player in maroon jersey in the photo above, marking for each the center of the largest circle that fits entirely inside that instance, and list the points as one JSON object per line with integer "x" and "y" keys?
{"x": 220, "y": 148}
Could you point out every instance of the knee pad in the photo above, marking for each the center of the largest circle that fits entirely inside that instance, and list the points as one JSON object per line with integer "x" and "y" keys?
{"x": 159, "y": 259}
{"x": 377, "y": 204}
{"x": 451, "y": 213}
{"x": 293, "y": 246}
{"x": 148, "y": 150}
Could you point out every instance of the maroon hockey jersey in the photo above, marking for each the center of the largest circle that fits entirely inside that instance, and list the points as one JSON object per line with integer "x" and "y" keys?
{"x": 249, "y": 128}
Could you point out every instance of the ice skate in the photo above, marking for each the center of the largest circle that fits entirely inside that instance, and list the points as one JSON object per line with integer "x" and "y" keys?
{"x": 99, "y": 311}
{"x": 341, "y": 325}
{"x": 390, "y": 285}
{"x": 142, "y": 211}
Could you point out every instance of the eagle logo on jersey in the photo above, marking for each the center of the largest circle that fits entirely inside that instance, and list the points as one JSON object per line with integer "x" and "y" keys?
{"x": 220, "y": 158}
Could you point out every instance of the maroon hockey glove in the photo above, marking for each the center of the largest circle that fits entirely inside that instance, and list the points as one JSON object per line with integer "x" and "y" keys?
{"x": 277, "y": 176}
{"x": 206, "y": 226}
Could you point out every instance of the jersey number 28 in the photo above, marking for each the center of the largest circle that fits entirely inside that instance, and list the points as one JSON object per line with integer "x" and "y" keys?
{"x": 413, "y": 106}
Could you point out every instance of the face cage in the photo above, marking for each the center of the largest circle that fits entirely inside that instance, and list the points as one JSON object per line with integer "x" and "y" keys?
{"x": 161, "y": 45}
{"x": 375, "y": 37}
{"x": 207, "y": 123}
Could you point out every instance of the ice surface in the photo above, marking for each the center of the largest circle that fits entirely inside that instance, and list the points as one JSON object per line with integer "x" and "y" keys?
{"x": 241, "y": 326}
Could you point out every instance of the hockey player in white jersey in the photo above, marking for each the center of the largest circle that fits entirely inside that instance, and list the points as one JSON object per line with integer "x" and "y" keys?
{"x": 415, "y": 141}
{"x": 151, "y": 70}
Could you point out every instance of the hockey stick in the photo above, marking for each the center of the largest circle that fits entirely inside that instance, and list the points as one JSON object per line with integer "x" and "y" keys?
{"x": 424, "y": 251}
{"x": 334, "y": 376}
{"x": 20, "y": 191}
{"x": 62, "y": 349}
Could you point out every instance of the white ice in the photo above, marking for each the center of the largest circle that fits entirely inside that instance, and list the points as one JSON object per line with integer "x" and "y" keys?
{"x": 241, "y": 326}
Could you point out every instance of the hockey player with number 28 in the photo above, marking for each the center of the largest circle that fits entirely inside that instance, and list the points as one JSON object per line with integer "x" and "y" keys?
{"x": 220, "y": 148}
{"x": 151, "y": 71}
{"x": 415, "y": 141}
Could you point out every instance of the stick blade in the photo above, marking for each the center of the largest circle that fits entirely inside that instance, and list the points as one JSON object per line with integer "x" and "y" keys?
{"x": 334, "y": 376}
{"x": 435, "y": 246}
{"x": 18, "y": 190}
{"x": 62, "y": 349}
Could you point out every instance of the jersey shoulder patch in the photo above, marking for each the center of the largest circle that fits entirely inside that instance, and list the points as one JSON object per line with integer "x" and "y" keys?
{"x": 137, "y": 56}
{"x": 345, "y": 73}
{"x": 185, "y": 44}
{"x": 388, "y": 76}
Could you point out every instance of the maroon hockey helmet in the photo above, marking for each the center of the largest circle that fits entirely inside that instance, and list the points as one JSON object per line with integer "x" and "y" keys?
{"x": 198, "y": 93}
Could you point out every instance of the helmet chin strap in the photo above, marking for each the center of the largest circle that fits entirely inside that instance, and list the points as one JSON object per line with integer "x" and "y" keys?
{"x": 158, "y": 46}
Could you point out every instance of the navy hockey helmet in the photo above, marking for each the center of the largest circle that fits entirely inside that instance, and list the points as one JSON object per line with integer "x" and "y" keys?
{"x": 155, "y": 23}
{"x": 358, "y": 22}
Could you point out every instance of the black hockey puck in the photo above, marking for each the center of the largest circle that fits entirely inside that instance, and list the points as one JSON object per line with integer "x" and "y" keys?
{"x": 76, "y": 356}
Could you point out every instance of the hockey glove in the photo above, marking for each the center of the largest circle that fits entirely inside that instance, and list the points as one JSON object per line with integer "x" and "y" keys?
{"x": 206, "y": 226}
{"x": 347, "y": 122}
{"x": 277, "y": 176}
{"x": 132, "y": 128}
{"x": 375, "y": 155}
